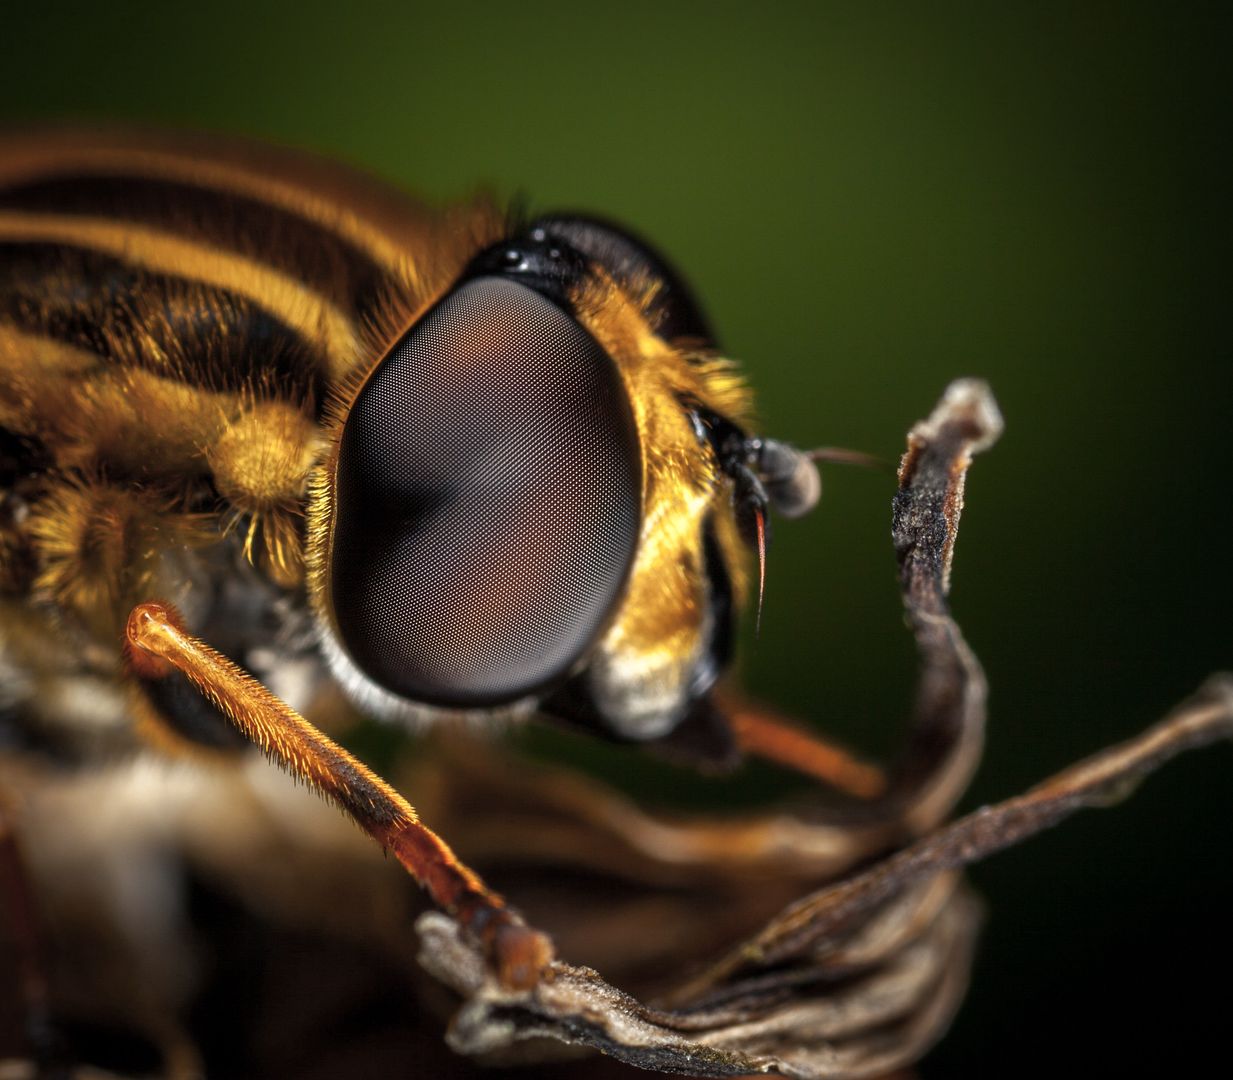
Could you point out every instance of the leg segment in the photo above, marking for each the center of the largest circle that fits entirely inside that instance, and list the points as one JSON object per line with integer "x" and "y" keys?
{"x": 157, "y": 644}
{"x": 761, "y": 733}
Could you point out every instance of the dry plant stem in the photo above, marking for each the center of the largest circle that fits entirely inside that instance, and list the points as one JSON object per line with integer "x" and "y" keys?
{"x": 156, "y": 638}
{"x": 856, "y": 1028}
{"x": 839, "y": 1034}
{"x": 891, "y": 929}
{"x": 947, "y": 733}
{"x": 1103, "y": 778}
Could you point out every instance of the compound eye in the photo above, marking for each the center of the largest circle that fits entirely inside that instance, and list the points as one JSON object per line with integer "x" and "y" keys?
{"x": 488, "y": 497}
{"x": 629, "y": 258}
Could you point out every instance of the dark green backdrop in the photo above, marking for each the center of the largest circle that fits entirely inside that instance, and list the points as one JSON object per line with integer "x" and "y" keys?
{"x": 870, "y": 205}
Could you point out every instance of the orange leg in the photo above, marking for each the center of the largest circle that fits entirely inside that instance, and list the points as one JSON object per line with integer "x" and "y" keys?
{"x": 765, "y": 735}
{"x": 158, "y": 642}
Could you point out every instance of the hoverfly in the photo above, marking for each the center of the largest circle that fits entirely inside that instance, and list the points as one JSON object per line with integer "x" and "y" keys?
{"x": 271, "y": 430}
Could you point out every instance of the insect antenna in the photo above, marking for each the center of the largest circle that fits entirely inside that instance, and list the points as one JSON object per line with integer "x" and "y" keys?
{"x": 837, "y": 455}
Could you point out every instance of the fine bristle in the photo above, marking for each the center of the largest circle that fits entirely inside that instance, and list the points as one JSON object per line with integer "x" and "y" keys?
{"x": 760, "y": 519}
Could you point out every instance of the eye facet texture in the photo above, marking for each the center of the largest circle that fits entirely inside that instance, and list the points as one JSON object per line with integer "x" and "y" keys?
{"x": 487, "y": 496}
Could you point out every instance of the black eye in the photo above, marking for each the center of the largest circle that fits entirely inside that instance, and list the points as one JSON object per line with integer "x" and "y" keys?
{"x": 627, "y": 257}
{"x": 488, "y": 497}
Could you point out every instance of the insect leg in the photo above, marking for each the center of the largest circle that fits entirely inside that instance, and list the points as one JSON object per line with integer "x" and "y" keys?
{"x": 157, "y": 643}
{"x": 763, "y": 734}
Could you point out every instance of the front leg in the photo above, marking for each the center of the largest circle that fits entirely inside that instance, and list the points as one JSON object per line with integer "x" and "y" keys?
{"x": 157, "y": 644}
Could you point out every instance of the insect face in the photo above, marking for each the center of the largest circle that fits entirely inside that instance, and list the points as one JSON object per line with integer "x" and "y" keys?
{"x": 531, "y": 497}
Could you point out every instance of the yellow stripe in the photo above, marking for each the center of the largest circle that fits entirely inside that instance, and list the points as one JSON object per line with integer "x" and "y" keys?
{"x": 87, "y": 410}
{"x": 36, "y": 373}
{"x": 305, "y": 311}
{"x": 27, "y": 160}
{"x": 27, "y": 355}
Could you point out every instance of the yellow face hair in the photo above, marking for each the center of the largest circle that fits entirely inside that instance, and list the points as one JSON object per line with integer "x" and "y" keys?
{"x": 640, "y": 666}
{"x": 659, "y": 630}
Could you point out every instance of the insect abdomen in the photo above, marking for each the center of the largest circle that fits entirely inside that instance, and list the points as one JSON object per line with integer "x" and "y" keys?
{"x": 171, "y": 326}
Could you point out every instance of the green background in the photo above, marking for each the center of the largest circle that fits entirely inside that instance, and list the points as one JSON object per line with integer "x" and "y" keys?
{"x": 872, "y": 201}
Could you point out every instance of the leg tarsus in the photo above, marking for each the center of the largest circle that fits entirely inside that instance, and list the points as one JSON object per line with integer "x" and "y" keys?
{"x": 157, "y": 642}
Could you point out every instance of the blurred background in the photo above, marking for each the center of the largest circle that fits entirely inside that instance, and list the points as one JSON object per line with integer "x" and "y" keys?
{"x": 869, "y": 205}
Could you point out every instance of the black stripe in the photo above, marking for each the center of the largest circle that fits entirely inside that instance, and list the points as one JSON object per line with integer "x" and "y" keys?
{"x": 302, "y": 249}
{"x": 21, "y": 457}
{"x": 201, "y": 334}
